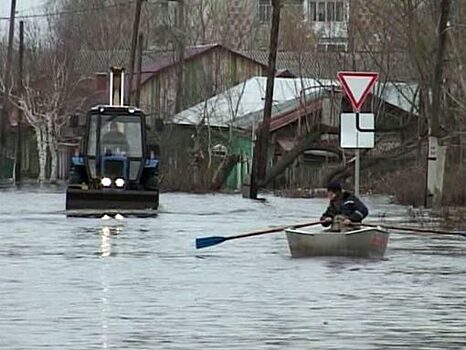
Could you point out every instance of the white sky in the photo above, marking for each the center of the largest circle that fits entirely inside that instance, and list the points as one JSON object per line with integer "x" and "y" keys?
{"x": 23, "y": 7}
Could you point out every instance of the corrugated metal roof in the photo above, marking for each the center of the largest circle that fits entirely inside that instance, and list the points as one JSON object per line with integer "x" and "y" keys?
{"x": 242, "y": 105}
{"x": 402, "y": 95}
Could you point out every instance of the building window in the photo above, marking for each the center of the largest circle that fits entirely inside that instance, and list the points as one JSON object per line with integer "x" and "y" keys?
{"x": 339, "y": 12}
{"x": 330, "y": 11}
{"x": 313, "y": 11}
{"x": 321, "y": 12}
{"x": 219, "y": 150}
{"x": 265, "y": 11}
{"x": 168, "y": 12}
{"x": 326, "y": 11}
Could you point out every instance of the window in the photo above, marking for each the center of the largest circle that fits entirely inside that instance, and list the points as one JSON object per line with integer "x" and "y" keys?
{"x": 168, "y": 12}
{"x": 118, "y": 135}
{"x": 330, "y": 11}
{"x": 339, "y": 11}
{"x": 321, "y": 12}
{"x": 265, "y": 11}
{"x": 326, "y": 11}
{"x": 219, "y": 150}
{"x": 313, "y": 11}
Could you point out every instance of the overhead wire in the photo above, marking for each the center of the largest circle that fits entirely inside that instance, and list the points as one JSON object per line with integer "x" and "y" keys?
{"x": 61, "y": 13}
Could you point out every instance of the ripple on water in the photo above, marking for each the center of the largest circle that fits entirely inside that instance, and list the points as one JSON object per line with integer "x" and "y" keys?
{"x": 140, "y": 283}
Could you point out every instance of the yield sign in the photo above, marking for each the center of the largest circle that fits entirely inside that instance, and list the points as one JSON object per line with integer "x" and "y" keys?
{"x": 357, "y": 86}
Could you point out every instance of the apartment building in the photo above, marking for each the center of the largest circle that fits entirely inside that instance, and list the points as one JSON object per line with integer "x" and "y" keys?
{"x": 332, "y": 25}
{"x": 327, "y": 20}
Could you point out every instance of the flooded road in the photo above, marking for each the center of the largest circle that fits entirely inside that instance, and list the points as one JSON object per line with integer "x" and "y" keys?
{"x": 140, "y": 283}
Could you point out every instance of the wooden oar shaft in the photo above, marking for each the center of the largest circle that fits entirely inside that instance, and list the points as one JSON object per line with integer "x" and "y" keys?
{"x": 273, "y": 229}
{"x": 214, "y": 240}
{"x": 417, "y": 229}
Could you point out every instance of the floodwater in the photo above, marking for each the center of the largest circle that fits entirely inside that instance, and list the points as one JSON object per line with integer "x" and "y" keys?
{"x": 141, "y": 284}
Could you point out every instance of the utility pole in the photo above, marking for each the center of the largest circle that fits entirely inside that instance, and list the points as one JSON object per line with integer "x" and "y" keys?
{"x": 19, "y": 153}
{"x": 180, "y": 46}
{"x": 437, "y": 153}
{"x": 134, "y": 39}
{"x": 259, "y": 158}
{"x": 442, "y": 36}
{"x": 137, "y": 98}
{"x": 7, "y": 77}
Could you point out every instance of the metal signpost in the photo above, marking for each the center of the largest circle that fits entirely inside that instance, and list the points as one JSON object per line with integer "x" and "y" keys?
{"x": 357, "y": 129}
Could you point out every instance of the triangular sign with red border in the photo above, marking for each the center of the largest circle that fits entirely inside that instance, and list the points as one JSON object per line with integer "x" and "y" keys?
{"x": 357, "y": 86}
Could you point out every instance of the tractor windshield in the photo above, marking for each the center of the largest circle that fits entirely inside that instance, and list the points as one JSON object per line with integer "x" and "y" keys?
{"x": 117, "y": 136}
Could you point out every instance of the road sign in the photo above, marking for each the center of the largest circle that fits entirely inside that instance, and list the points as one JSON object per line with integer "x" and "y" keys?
{"x": 357, "y": 130}
{"x": 357, "y": 86}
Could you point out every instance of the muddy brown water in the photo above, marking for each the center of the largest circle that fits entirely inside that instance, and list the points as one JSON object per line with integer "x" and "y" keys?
{"x": 140, "y": 283}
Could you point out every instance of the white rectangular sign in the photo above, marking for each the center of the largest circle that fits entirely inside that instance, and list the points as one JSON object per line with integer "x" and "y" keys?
{"x": 357, "y": 131}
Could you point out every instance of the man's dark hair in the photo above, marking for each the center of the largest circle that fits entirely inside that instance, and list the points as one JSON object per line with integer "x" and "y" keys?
{"x": 334, "y": 187}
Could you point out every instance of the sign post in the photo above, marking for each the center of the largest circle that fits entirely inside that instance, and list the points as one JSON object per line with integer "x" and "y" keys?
{"x": 357, "y": 129}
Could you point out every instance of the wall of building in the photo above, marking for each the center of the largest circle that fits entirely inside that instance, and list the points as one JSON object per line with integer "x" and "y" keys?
{"x": 302, "y": 18}
{"x": 204, "y": 76}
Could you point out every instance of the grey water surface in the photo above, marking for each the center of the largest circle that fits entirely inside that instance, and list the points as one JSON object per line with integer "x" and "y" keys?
{"x": 70, "y": 283}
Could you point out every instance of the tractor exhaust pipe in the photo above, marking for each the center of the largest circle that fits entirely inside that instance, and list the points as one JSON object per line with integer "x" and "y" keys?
{"x": 117, "y": 86}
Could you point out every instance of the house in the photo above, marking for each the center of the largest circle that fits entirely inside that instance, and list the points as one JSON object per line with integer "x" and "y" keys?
{"x": 298, "y": 106}
{"x": 29, "y": 161}
{"x": 232, "y": 117}
{"x": 207, "y": 71}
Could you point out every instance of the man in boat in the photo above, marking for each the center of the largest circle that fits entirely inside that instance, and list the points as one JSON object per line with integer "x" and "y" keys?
{"x": 345, "y": 211}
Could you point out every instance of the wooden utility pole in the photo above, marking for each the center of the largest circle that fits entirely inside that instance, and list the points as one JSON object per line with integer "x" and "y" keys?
{"x": 134, "y": 40}
{"x": 4, "y": 118}
{"x": 19, "y": 153}
{"x": 437, "y": 153}
{"x": 259, "y": 158}
{"x": 180, "y": 46}
{"x": 137, "y": 98}
{"x": 442, "y": 36}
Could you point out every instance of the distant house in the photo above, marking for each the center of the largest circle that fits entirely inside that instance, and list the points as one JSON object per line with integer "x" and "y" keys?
{"x": 207, "y": 71}
{"x": 237, "y": 112}
{"x": 298, "y": 106}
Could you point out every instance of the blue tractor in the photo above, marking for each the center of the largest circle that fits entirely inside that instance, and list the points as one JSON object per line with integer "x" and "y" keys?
{"x": 115, "y": 172}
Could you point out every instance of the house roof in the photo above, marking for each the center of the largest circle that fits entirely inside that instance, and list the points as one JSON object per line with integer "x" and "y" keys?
{"x": 168, "y": 59}
{"x": 153, "y": 61}
{"x": 405, "y": 96}
{"x": 242, "y": 106}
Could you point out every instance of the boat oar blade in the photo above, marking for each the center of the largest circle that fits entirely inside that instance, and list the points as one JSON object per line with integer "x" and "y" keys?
{"x": 209, "y": 241}
{"x": 214, "y": 240}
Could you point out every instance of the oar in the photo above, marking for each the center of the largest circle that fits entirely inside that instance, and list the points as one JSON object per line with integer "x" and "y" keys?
{"x": 420, "y": 230}
{"x": 214, "y": 240}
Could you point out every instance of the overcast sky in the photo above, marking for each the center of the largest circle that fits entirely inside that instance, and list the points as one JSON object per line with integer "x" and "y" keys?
{"x": 23, "y": 7}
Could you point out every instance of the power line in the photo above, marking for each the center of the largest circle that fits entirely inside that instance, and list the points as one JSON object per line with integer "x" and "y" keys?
{"x": 60, "y": 13}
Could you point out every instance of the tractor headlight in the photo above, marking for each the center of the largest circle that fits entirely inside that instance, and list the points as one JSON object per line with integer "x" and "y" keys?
{"x": 119, "y": 182}
{"x": 106, "y": 181}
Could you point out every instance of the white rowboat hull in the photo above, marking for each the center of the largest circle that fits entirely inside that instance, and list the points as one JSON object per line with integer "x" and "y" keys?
{"x": 362, "y": 243}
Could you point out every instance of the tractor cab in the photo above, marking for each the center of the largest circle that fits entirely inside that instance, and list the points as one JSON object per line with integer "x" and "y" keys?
{"x": 114, "y": 147}
{"x": 114, "y": 172}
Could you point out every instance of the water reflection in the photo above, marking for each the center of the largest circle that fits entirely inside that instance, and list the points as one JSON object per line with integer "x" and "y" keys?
{"x": 104, "y": 312}
{"x": 106, "y": 235}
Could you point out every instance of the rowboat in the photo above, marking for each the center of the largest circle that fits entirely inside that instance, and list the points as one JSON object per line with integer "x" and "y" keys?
{"x": 362, "y": 243}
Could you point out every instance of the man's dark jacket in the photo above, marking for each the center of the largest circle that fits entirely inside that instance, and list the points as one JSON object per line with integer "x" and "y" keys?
{"x": 348, "y": 205}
